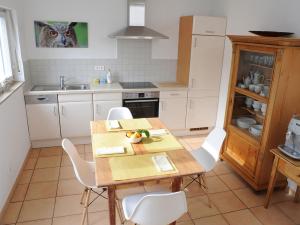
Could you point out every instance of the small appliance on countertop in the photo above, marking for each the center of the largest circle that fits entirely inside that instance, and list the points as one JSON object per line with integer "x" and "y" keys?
{"x": 292, "y": 140}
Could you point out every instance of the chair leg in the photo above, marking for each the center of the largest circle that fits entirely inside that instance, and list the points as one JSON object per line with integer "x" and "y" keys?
{"x": 86, "y": 205}
{"x": 204, "y": 188}
{"x": 83, "y": 195}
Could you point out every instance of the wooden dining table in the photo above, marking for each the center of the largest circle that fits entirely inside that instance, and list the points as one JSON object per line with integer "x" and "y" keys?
{"x": 184, "y": 162}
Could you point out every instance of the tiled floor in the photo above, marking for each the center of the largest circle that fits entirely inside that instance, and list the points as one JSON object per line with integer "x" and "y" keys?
{"x": 49, "y": 194}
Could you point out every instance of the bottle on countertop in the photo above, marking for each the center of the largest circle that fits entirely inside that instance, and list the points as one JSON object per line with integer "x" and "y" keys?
{"x": 108, "y": 77}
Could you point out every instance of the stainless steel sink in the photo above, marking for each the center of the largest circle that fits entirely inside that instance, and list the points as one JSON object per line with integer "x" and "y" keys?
{"x": 57, "y": 88}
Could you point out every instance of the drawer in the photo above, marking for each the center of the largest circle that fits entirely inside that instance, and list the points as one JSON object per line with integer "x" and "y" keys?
{"x": 107, "y": 96}
{"x": 173, "y": 94}
{"x": 289, "y": 170}
{"x": 75, "y": 98}
{"x": 203, "y": 93}
{"x": 205, "y": 25}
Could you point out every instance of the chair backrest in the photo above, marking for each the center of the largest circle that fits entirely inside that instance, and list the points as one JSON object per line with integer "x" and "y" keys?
{"x": 118, "y": 113}
{"x": 84, "y": 171}
{"x": 208, "y": 154}
{"x": 160, "y": 208}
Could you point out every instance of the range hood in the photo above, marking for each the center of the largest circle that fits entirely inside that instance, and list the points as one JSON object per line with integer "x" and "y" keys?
{"x": 136, "y": 24}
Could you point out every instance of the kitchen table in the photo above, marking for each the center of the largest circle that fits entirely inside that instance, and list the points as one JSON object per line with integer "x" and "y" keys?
{"x": 185, "y": 164}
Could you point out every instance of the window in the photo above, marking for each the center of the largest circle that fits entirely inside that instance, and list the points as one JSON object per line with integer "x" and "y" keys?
{"x": 5, "y": 56}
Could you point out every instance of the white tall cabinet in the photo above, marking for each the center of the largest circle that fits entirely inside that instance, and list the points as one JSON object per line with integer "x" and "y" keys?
{"x": 200, "y": 59}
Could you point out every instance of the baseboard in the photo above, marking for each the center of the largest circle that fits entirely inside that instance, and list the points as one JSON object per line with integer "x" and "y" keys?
{"x": 13, "y": 187}
{"x": 57, "y": 142}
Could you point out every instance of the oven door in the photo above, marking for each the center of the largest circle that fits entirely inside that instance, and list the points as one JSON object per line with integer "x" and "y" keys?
{"x": 142, "y": 108}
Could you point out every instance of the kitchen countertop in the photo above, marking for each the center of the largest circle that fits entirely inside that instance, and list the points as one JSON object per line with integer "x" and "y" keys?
{"x": 114, "y": 87}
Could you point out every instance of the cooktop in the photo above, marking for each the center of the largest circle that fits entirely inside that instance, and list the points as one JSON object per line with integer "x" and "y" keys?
{"x": 137, "y": 85}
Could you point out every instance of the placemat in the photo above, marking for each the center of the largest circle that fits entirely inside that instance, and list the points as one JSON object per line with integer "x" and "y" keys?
{"x": 131, "y": 124}
{"x": 161, "y": 143}
{"x": 111, "y": 140}
{"x": 137, "y": 166}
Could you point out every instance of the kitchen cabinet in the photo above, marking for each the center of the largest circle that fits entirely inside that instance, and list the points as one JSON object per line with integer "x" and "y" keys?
{"x": 43, "y": 121}
{"x": 103, "y": 102}
{"x": 199, "y": 66}
{"x": 172, "y": 109}
{"x": 264, "y": 89}
{"x": 76, "y": 112}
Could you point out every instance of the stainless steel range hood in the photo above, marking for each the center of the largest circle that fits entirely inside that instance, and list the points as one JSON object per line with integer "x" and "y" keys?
{"x": 136, "y": 24}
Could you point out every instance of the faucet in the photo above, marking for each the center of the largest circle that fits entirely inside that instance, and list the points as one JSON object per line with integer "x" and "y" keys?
{"x": 62, "y": 82}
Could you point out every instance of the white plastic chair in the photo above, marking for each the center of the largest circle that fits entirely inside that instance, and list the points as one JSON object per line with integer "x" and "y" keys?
{"x": 118, "y": 113}
{"x": 156, "y": 208}
{"x": 208, "y": 155}
{"x": 85, "y": 174}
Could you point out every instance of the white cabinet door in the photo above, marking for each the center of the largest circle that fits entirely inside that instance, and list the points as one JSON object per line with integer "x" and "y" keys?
{"x": 207, "y": 25}
{"x": 101, "y": 108}
{"x": 201, "y": 112}
{"x": 172, "y": 112}
{"x": 43, "y": 121}
{"x": 206, "y": 62}
{"x": 75, "y": 118}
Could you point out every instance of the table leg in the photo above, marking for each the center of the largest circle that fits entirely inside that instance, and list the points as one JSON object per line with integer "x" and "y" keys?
{"x": 272, "y": 181}
{"x": 176, "y": 185}
{"x": 297, "y": 194}
{"x": 112, "y": 204}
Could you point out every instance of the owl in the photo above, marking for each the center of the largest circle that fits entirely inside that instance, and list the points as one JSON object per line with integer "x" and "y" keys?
{"x": 57, "y": 35}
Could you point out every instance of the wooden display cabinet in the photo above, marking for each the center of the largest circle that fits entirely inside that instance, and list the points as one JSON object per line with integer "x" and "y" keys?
{"x": 272, "y": 64}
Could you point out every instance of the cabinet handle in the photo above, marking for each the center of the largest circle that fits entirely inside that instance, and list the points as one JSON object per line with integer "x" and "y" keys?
{"x": 62, "y": 110}
{"x": 209, "y": 31}
{"x": 195, "y": 42}
{"x": 97, "y": 109}
{"x": 193, "y": 82}
{"x": 54, "y": 110}
{"x": 161, "y": 106}
{"x": 190, "y": 105}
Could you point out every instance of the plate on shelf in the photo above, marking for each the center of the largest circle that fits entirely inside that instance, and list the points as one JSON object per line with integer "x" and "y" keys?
{"x": 270, "y": 33}
{"x": 245, "y": 122}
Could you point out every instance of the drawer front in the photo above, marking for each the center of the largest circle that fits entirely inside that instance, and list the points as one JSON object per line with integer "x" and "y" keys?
{"x": 289, "y": 170}
{"x": 75, "y": 98}
{"x": 242, "y": 152}
{"x": 173, "y": 94}
{"x": 107, "y": 96}
{"x": 206, "y": 25}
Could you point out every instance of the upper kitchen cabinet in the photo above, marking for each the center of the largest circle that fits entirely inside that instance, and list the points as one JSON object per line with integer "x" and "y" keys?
{"x": 207, "y": 25}
{"x": 263, "y": 96}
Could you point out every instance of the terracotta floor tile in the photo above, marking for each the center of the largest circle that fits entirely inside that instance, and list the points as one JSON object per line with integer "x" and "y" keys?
{"x": 30, "y": 164}
{"x": 227, "y": 202}
{"x": 185, "y": 223}
{"x": 186, "y": 217}
{"x": 34, "y": 153}
{"x": 153, "y": 186}
{"x": 195, "y": 145}
{"x": 80, "y": 149}
{"x": 130, "y": 189}
{"x": 37, "y": 209}
{"x": 88, "y": 148}
{"x": 244, "y": 217}
{"x": 52, "y": 151}
{"x": 12, "y": 213}
{"x": 89, "y": 156}
{"x": 66, "y": 160}
{"x": 291, "y": 209}
{"x": 19, "y": 193}
{"x": 100, "y": 204}
{"x": 68, "y": 205}
{"x": 37, "y": 222}
{"x": 271, "y": 216}
{"x": 198, "y": 207}
{"x": 46, "y": 174}
{"x": 210, "y": 174}
{"x": 194, "y": 139}
{"x": 41, "y": 190}
{"x": 233, "y": 181}
{"x": 212, "y": 220}
{"x": 47, "y": 162}
{"x": 69, "y": 187}
{"x": 25, "y": 176}
{"x": 193, "y": 189}
{"x": 222, "y": 168}
{"x": 66, "y": 173}
{"x": 250, "y": 198}
{"x": 281, "y": 196}
{"x": 215, "y": 185}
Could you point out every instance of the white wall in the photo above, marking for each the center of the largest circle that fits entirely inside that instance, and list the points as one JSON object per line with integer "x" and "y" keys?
{"x": 245, "y": 15}
{"x": 105, "y": 17}
{"x": 14, "y": 140}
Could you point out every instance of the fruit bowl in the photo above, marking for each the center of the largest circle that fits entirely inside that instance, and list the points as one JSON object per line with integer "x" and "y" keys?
{"x": 135, "y": 137}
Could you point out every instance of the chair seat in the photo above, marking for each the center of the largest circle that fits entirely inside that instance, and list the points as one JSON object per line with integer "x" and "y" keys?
{"x": 130, "y": 202}
{"x": 204, "y": 159}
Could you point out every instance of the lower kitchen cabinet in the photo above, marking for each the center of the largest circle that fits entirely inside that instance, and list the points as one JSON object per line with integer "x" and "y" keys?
{"x": 43, "y": 121}
{"x": 101, "y": 108}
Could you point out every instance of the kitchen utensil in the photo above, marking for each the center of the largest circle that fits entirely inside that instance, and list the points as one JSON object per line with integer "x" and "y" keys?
{"x": 256, "y": 130}
{"x": 245, "y": 122}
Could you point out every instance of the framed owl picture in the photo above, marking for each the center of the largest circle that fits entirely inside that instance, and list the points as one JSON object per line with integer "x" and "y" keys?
{"x": 52, "y": 34}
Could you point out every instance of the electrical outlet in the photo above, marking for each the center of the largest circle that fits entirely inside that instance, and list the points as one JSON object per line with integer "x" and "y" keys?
{"x": 99, "y": 68}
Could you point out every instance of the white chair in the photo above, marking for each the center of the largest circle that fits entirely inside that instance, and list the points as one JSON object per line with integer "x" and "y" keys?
{"x": 208, "y": 155}
{"x": 118, "y": 113}
{"x": 85, "y": 173}
{"x": 157, "y": 208}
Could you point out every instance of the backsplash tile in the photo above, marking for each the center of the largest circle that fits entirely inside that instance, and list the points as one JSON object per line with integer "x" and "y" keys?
{"x": 134, "y": 63}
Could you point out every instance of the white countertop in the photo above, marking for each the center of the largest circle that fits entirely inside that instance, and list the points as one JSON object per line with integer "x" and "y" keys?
{"x": 114, "y": 87}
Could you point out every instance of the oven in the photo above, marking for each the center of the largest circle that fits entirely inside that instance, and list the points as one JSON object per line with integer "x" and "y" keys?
{"x": 142, "y": 104}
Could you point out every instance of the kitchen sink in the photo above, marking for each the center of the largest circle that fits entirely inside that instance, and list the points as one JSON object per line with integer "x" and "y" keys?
{"x": 57, "y": 88}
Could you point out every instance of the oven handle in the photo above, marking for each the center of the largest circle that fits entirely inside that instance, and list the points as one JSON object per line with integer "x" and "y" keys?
{"x": 137, "y": 101}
